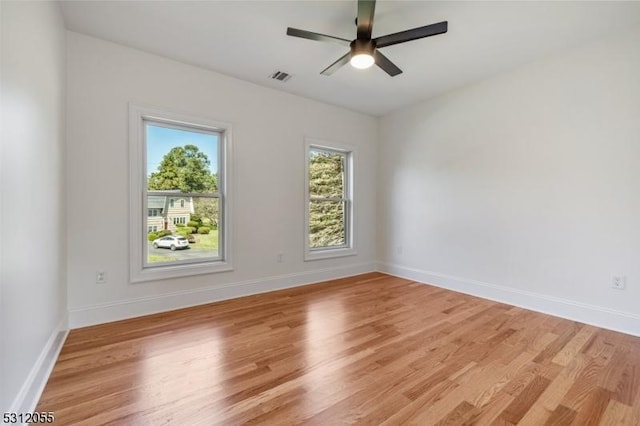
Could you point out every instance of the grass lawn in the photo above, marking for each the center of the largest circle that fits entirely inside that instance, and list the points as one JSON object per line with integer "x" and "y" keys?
{"x": 160, "y": 258}
{"x": 206, "y": 241}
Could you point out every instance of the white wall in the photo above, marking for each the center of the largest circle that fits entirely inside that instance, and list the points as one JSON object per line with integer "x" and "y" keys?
{"x": 525, "y": 187}
{"x": 268, "y": 129}
{"x": 33, "y": 304}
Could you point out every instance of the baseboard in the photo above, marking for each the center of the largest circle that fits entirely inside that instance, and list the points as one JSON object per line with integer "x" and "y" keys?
{"x": 31, "y": 390}
{"x": 624, "y": 322}
{"x": 115, "y": 311}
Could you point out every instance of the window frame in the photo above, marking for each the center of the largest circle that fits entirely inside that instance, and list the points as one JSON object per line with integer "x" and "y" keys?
{"x": 349, "y": 248}
{"x": 139, "y": 270}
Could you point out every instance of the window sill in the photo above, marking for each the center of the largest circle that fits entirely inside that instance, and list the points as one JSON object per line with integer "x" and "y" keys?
{"x": 328, "y": 254}
{"x": 178, "y": 271}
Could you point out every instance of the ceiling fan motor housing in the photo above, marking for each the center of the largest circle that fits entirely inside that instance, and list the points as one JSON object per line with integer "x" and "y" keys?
{"x": 362, "y": 47}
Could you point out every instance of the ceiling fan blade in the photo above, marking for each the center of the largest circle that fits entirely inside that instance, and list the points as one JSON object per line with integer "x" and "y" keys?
{"x": 384, "y": 63}
{"x": 337, "y": 64}
{"x": 317, "y": 36}
{"x": 366, "y": 9}
{"x": 412, "y": 34}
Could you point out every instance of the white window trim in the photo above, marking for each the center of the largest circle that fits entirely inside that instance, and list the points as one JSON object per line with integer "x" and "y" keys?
{"x": 137, "y": 219}
{"x": 329, "y": 252}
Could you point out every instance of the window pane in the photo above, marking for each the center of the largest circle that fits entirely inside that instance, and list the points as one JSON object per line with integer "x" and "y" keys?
{"x": 181, "y": 160}
{"x": 326, "y": 173}
{"x": 188, "y": 233}
{"x": 181, "y": 228}
{"x": 326, "y": 224}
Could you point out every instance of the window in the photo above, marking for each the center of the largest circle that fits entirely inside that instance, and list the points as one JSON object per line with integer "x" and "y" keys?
{"x": 181, "y": 220}
{"x": 185, "y": 159}
{"x": 329, "y": 201}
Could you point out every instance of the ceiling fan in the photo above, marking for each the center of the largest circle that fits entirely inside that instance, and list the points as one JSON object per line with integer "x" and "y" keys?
{"x": 364, "y": 51}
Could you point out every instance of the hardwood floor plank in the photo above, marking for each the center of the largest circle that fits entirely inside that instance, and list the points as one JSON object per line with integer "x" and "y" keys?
{"x": 525, "y": 400}
{"x": 629, "y": 383}
{"x": 548, "y": 402}
{"x": 574, "y": 345}
{"x": 490, "y": 411}
{"x": 592, "y": 411}
{"x": 369, "y": 349}
{"x": 458, "y": 415}
{"x": 616, "y": 414}
{"x": 416, "y": 406}
{"x": 561, "y": 416}
{"x": 501, "y": 378}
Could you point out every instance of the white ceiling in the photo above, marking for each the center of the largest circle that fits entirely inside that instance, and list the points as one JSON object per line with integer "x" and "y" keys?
{"x": 247, "y": 40}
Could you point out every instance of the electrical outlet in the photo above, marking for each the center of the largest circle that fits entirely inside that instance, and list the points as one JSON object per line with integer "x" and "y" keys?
{"x": 101, "y": 277}
{"x": 619, "y": 282}
{"x": 399, "y": 250}
{"x": 280, "y": 257}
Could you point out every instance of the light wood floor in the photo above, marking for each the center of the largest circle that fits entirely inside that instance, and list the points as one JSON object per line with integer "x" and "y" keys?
{"x": 370, "y": 349}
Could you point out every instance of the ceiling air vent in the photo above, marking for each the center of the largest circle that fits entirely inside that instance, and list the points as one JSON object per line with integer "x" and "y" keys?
{"x": 280, "y": 76}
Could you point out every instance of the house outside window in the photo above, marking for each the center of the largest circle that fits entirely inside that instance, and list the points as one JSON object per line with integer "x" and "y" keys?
{"x": 178, "y": 158}
{"x": 329, "y": 202}
{"x": 167, "y": 216}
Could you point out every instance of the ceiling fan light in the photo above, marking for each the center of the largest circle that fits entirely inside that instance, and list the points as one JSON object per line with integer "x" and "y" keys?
{"x": 362, "y": 53}
{"x": 361, "y": 61}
